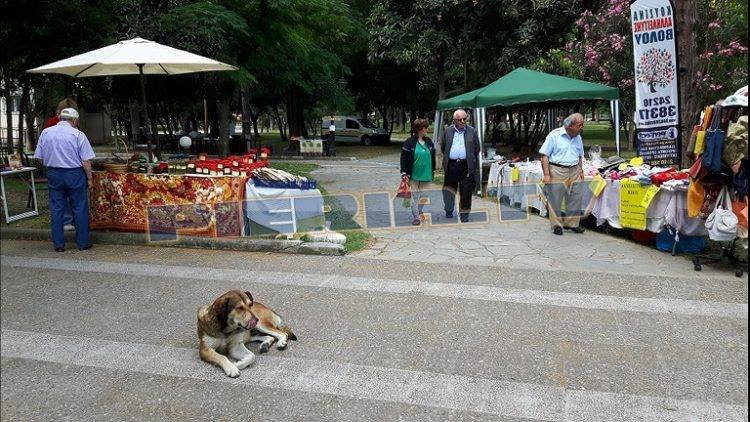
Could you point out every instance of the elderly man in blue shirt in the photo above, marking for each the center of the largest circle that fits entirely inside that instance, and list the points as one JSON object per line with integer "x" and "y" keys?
{"x": 562, "y": 164}
{"x": 67, "y": 154}
{"x": 460, "y": 149}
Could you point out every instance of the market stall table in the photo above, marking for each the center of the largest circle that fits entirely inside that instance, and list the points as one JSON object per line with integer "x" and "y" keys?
{"x": 167, "y": 205}
{"x": 285, "y": 211}
{"x": 32, "y": 188}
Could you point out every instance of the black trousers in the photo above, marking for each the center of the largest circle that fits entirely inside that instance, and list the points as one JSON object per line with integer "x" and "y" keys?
{"x": 458, "y": 179}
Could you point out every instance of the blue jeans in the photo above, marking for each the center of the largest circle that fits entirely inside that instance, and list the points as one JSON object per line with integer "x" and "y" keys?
{"x": 68, "y": 186}
{"x": 68, "y": 214}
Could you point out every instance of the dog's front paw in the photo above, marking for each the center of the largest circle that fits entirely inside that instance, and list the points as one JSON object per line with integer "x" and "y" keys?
{"x": 246, "y": 361}
{"x": 281, "y": 345}
{"x": 232, "y": 371}
{"x": 264, "y": 348}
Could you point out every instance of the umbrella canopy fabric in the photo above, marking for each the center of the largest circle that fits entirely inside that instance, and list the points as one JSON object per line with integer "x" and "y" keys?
{"x": 524, "y": 86}
{"x": 125, "y": 57}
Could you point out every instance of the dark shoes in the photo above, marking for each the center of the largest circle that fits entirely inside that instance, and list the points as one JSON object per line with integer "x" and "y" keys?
{"x": 62, "y": 248}
{"x": 449, "y": 214}
{"x": 576, "y": 229}
{"x": 416, "y": 222}
{"x": 464, "y": 217}
{"x": 557, "y": 230}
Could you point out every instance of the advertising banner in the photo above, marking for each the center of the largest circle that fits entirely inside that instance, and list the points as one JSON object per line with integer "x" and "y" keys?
{"x": 659, "y": 147}
{"x": 656, "y": 90}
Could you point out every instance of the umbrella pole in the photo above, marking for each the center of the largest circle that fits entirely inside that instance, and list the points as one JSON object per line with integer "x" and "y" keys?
{"x": 146, "y": 123}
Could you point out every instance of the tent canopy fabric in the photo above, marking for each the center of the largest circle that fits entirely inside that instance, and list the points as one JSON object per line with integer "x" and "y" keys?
{"x": 524, "y": 86}
{"x": 124, "y": 57}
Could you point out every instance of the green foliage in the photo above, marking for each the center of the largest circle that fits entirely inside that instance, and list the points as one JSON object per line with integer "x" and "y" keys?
{"x": 448, "y": 41}
{"x": 356, "y": 240}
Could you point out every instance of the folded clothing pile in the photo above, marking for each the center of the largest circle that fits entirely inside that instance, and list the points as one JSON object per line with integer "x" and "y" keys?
{"x": 280, "y": 179}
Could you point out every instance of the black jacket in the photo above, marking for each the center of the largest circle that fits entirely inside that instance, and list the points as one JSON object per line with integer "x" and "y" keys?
{"x": 471, "y": 141}
{"x": 407, "y": 154}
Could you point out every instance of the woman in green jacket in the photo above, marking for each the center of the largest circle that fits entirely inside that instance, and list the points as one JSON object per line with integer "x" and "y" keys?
{"x": 418, "y": 166}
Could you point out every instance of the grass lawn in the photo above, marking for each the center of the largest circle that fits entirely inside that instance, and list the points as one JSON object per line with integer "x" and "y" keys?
{"x": 17, "y": 193}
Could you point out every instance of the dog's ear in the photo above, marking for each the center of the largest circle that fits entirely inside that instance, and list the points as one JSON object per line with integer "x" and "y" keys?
{"x": 249, "y": 296}
{"x": 221, "y": 309}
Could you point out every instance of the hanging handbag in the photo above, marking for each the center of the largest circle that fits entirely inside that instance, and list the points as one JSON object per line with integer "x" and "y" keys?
{"x": 739, "y": 208}
{"x": 714, "y": 143}
{"x": 403, "y": 189}
{"x": 700, "y": 135}
{"x": 695, "y": 195}
{"x": 697, "y": 171}
{"x": 711, "y": 196}
{"x": 722, "y": 223}
{"x": 690, "y": 151}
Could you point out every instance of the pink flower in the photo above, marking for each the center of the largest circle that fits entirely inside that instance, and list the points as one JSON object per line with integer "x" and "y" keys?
{"x": 714, "y": 24}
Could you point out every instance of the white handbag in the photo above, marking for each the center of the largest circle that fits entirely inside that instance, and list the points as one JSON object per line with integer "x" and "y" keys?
{"x": 722, "y": 223}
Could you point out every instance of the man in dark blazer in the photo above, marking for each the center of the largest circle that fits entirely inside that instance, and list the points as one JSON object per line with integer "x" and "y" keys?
{"x": 460, "y": 147}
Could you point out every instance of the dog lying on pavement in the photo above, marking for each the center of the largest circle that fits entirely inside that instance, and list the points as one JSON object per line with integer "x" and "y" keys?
{"x": 232, "y": 320}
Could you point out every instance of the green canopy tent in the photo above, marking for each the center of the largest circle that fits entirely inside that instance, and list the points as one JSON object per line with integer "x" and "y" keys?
{"x": 524, "y": 86}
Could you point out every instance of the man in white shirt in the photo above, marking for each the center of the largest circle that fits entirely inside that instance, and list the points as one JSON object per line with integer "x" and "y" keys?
{"x": 562, "y": 164}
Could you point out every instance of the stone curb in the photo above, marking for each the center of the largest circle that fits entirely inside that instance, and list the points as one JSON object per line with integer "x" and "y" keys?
{"x": 233, "y": 244}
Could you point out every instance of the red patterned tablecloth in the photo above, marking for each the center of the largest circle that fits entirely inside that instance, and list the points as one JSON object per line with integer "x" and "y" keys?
{"x": 188, "y": 205}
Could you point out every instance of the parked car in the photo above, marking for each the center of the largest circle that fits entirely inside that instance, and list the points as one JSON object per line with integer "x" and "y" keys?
{"x": 355, "y": 129}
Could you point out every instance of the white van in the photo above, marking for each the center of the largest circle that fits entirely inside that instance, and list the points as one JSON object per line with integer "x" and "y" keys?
{"x": 355, "y": 129}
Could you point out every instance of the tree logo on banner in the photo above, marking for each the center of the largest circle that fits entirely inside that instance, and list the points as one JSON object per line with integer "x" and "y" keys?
{"x": 655, "y": 68}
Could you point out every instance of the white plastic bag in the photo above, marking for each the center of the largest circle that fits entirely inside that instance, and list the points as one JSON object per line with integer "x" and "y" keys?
{"x": 722, "y": 223}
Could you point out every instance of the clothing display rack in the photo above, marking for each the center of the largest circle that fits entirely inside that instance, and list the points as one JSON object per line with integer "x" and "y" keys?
{"x": 730, "y": 177}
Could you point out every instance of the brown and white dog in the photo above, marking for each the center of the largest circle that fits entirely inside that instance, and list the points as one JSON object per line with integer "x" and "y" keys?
{"x": 232, "y": 320}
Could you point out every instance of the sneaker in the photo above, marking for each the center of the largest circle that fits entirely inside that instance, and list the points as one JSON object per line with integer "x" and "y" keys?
{"x": 557, "y": 230}
{"x": 59, "y": 249}
{"x": 69, "y": 227}
{"x": 449, "y": 214}
{"x": 85, "y": 248}
{"x": 416, "y": 222}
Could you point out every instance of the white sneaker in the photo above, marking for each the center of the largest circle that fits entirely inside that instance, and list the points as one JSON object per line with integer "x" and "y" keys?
{"x": 69, "y": 227}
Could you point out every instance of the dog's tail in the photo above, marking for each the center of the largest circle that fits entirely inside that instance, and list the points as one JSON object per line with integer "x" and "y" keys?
{"x": 289, "y": 333}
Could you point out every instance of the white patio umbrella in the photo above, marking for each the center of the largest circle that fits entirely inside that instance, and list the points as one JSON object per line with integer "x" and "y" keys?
{"x": 134, "y": 57}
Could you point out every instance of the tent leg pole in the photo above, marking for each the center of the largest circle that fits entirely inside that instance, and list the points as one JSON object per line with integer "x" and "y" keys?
{"x": 146, "y": 122}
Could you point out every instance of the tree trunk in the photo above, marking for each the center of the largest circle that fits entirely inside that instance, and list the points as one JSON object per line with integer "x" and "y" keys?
{"x": 254, "y": 117}
{"x": 441, "y": 78}
{"x": 8, "y": 116}
{"x": 295, "y": 119}
{"x": 383, "y": 110}
{"x": 223, "y": 112}
{"x": 23, "y": 109}
{"x": 279, "y": 123}
{"x": 244, "y": 93}
{"x": 687, "y": 52}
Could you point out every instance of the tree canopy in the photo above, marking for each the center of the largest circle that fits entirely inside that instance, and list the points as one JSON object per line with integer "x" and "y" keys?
{"x": 299, "y": 60}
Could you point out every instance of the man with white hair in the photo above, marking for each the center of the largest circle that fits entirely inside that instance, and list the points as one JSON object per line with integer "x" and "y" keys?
{"x": 67, "y": 154}
{"x": 460, "y": 149}
{"x": 562, "y": 164}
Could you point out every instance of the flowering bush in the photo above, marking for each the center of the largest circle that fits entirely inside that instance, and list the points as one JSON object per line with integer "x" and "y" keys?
{"x": 603, "y": 50}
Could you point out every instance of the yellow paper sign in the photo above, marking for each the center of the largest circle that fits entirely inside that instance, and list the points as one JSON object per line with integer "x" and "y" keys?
{"x": 632, "y": 212}
{"x": 649, "y": 196}
{"x": 597, "y": 185}
{"x": 515, "y": 174}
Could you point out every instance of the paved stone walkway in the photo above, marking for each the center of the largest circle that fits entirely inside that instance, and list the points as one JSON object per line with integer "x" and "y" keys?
{"x": 524, "y": 245}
